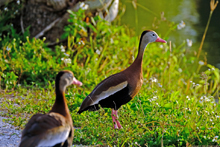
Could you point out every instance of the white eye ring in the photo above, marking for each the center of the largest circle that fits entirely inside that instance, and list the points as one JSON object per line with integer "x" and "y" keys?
{"x": 70, "y": 75}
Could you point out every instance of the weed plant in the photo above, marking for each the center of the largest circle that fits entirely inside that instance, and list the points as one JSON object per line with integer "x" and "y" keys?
{"x": 175, "y": 106}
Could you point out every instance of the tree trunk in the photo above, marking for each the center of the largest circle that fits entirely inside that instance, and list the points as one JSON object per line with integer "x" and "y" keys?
{"x": 48, "y": 18}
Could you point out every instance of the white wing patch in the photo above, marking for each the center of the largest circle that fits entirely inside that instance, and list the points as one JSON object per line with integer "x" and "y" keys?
{"x": 109, "y": 92}
{"x": 55, "y": 136}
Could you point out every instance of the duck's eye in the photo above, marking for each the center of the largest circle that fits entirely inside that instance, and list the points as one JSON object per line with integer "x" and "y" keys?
{"x": 71, "y": 76}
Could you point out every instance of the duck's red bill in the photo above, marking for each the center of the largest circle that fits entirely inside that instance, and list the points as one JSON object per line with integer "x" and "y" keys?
{"x": 76, "y": 82}
{"x": 160, "y": 40}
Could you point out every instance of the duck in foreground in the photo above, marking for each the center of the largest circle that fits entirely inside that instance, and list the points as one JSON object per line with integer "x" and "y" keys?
{"x": 56, "y": 127}
{"x": 120, "y": 88}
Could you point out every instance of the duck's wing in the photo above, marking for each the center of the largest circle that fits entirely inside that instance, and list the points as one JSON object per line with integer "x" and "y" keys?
{"x": 108, "y": 87}
{"x": 45, "y": 130}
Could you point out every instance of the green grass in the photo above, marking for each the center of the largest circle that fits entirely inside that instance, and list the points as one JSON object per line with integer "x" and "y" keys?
{"x": 168, "y": 110}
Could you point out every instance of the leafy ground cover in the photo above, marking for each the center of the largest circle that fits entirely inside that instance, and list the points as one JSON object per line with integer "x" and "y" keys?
{"x": 175, "y": 106}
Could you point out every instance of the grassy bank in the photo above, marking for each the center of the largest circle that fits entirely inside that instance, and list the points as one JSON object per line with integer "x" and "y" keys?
{"x": 174, "y": 107}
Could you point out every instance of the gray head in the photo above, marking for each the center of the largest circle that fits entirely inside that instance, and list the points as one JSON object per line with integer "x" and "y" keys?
{"x": 65, "y": 78}
{"x": 148, "y": 37}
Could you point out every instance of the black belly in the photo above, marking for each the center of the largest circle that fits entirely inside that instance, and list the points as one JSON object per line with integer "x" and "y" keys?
{"x": 114, "y": 101}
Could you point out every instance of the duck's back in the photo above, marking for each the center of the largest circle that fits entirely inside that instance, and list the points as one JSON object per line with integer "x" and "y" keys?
{"x": 45, "y": 130}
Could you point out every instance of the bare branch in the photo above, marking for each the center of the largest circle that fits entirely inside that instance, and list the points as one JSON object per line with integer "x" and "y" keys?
{"x": 47, "y": 28}
{"x": 113, "y": 11}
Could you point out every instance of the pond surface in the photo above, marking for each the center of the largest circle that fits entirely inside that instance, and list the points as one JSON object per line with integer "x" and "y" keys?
{"x": 194, "y": 13}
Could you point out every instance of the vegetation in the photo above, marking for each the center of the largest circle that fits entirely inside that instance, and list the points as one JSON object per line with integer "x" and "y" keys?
{"x": 175, "y": 106}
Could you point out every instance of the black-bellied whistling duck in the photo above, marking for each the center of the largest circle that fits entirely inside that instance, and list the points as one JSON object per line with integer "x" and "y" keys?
{"x": 56, "y": 127}
{"x": 120, "y": 88}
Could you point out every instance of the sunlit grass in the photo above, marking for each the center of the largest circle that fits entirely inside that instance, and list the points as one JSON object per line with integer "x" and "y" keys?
{"x": 174, "y": 107}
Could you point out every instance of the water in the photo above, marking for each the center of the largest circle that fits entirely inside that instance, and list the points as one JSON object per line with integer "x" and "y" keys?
{"x": 194, "y": 13}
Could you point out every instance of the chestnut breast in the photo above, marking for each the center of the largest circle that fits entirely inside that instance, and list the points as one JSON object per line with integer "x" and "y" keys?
{"x": 135, "y": 80}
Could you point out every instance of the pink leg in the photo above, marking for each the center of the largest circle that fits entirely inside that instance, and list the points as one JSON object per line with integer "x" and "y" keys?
{"x": 114, "y": 119}
{"x": 117, "y": 124}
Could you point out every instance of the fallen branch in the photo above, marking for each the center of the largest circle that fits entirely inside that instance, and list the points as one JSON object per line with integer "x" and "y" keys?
{"x": 47, "y": 28}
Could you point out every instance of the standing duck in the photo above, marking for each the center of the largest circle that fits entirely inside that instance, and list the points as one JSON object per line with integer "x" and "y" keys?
{"x": 120, "y": 88}
{"x": 56, "y": 127}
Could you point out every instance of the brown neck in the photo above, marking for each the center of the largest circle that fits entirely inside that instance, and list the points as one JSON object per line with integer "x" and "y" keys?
{"x": 137, "y": 64}
{"x": 60, "y": 105}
